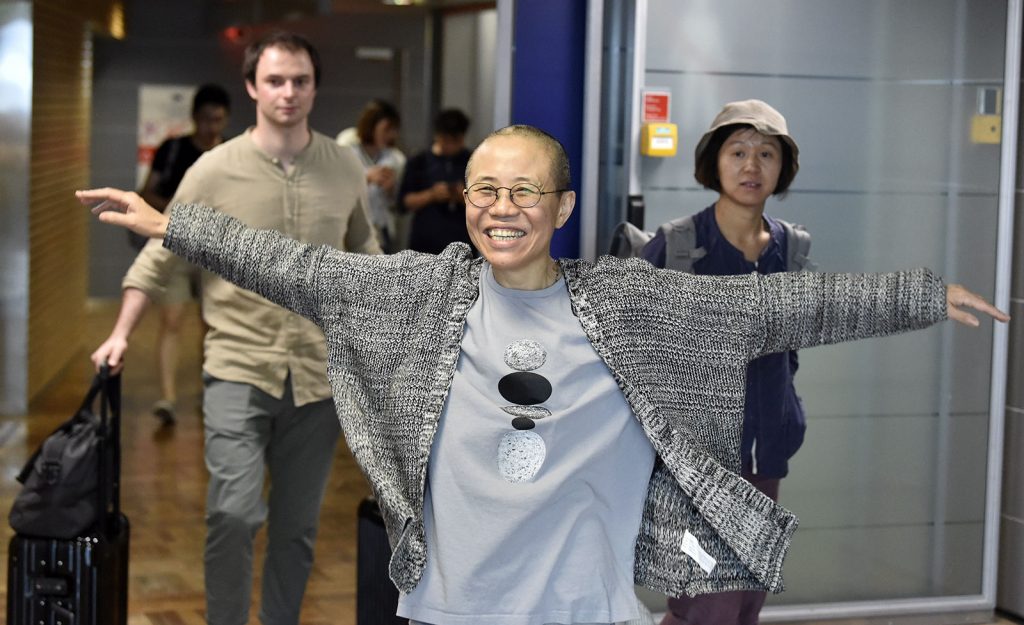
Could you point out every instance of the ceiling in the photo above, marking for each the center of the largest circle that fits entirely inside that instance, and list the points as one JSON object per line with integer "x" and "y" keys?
{"x": 256, "y": 11}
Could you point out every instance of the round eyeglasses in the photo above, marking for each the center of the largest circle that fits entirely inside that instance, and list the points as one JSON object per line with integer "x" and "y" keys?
{"x": 523, "y": 195}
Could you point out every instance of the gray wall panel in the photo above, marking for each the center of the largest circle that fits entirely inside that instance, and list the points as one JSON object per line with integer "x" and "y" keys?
{"x": 467, "y": 70}
{"x": 873, "y": 471}
{"x": 1011, "y": 566}
{"x": 1013, "y": 469}
{"x": 869, "y": 38}
{"x": 1015, "y": 374}
{"x": 829, "y": 565}
{"x": 1017, "y": 286}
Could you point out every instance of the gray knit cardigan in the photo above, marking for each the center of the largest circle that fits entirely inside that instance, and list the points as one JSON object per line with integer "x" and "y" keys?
{"x": 678, "y": 345}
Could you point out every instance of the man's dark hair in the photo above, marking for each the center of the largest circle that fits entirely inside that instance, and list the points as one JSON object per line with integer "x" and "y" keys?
{"x": 210, "y": 94}
{"x": 279, "y": 39}
{"x": 373, "y": 113}
{"x": 451, "y": 123}
{"x": 705, "y": 169}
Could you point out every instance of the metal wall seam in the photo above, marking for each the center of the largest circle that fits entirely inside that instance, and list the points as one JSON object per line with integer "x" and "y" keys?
{"x": 589, "y": 187}
{"x": 1004, "y": 268}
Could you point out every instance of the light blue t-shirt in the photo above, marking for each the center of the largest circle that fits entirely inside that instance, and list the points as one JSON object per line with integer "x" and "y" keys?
{"x": 537, "y": 476}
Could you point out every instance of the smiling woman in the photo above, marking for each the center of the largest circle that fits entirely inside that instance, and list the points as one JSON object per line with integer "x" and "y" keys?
{"x": 509, "y": 410}
{"x": 513, "y": 230}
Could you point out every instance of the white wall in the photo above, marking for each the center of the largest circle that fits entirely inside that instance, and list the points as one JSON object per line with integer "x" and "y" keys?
{"x": 467, "y": 68}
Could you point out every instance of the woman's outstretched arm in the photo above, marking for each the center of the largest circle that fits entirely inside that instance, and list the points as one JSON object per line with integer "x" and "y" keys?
{"x": 266, "y": 262}
{"x": 798, "y": 310}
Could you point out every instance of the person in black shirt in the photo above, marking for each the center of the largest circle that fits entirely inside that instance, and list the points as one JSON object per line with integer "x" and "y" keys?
{"x": 432, "y": 186}
{"x": 210, "y": 108}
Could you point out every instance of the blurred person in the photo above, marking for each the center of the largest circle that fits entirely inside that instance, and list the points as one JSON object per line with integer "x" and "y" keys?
{"x": 542, "y": 434}
{"x": 373, "y": 139}
{"x": 747, "y": 156}
{"x": 211, "y": 106}
{"x": 433, "y": 184}
{"x": 266, "y": 403}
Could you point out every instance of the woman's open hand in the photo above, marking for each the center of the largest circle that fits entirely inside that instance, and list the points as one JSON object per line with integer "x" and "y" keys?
{"x": 958, "y": 297}
{"x": 126, "y": 209}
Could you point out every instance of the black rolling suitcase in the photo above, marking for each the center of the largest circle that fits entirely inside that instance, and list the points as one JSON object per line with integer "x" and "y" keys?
{"x": 81, "y": 580}
{"x": 376, "y": 595}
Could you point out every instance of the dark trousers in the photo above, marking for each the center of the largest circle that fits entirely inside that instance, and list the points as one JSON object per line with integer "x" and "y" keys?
{"x": 248, "y": 434}
{"x": 738, "y": 607}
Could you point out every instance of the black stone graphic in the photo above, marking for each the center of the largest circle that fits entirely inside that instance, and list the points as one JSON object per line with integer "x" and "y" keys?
{"x": 524, "y": 388}
{"x": 523, "y": 423}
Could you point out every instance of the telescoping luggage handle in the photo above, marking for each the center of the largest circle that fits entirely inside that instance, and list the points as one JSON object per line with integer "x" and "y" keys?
{"x": 108, "y": 387}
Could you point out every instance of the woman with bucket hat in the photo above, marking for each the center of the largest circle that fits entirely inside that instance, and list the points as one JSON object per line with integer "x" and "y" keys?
{"x": 746, "y": 156}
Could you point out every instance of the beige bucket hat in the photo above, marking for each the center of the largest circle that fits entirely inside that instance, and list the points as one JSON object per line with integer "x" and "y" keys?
{"x": 765, "y": 119}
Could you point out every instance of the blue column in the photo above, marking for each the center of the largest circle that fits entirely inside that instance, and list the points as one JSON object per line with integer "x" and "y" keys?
{"x": 549, "y": 40}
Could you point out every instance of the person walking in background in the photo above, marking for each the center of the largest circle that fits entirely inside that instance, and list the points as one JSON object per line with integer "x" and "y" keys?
{"x": 746, "y": 156}
{"x": 374, "y": 138}
{"x": 266, "y": 403}
{"x": 542, "y": 434}
{"x": 433, "y": 184}
{"x": 211, "y": 106}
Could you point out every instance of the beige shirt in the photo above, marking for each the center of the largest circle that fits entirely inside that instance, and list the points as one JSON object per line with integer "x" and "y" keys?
{"x": 322, "y": 200}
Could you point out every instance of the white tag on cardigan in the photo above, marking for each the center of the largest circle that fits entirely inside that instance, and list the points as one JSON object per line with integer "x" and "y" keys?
{"x": 692, "y": 548}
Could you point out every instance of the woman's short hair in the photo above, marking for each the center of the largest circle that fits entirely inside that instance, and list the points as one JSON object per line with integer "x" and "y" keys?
{"x": 556, "y": 151}
{"x": 373, "y": 113}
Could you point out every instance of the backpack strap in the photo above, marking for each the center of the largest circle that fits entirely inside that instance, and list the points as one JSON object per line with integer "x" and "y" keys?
{"x": 681, "y": 249}
{"x": 798, "y": 247}
{"x": 628, "y": 240}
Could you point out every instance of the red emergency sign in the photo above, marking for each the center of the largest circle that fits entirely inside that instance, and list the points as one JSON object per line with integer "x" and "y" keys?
{"x": 656, "y": 106}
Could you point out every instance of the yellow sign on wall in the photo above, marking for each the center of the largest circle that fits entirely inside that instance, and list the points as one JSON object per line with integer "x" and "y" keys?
{"x": 987, "y": 122}
{"x": 986, "y": 128}
{"x": 659, "y": 139}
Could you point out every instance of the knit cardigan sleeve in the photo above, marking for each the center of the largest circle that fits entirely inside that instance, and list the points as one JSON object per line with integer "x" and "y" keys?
{"x": 266, "y": 262}
{"x": 797, "y": 310}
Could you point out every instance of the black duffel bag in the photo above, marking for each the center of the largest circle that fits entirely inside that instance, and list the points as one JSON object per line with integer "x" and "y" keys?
{"x": 62, "y": 493}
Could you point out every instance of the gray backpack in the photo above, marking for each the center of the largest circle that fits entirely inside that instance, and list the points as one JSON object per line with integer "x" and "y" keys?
{"x": 681, "y": 249}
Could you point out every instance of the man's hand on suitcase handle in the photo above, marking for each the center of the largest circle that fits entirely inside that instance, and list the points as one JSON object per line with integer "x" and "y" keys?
{"x": 110, "y": 353}
{"x": 126, "y": 209}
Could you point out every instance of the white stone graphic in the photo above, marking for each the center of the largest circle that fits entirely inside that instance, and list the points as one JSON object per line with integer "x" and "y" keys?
{"x": 525, "y": 355}
{"x": 533, "y": 412}
{"x": 520, "y": 455}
